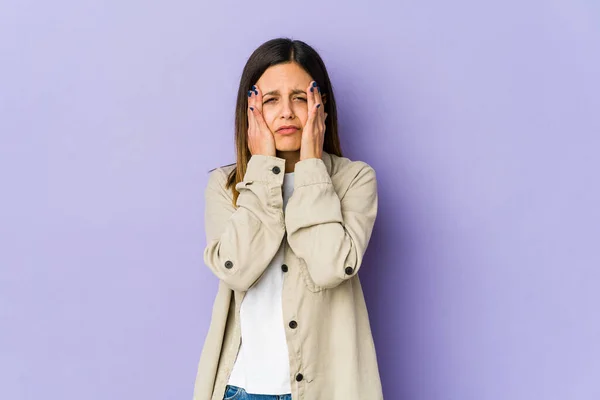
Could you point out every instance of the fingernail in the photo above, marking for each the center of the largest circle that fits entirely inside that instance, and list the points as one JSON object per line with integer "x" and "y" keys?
{"x": 318, "y": 105}
{"x": 314, "y": 84}
{"x": 254, "y": 87}
{"x": 249, "y": 93}
{"x": 311, "y": 89}
{"x": 252, "y": 108}
{"x": 256, "y": 92}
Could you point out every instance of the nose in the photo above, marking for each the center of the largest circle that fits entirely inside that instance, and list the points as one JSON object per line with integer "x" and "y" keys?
{"x": 287, "y": 112}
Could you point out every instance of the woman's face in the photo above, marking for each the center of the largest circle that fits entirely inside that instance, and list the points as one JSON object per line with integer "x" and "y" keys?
{"x": 283, "y": 88}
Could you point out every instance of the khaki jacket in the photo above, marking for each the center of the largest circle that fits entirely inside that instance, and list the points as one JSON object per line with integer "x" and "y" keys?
{"x": 326, "y": 228}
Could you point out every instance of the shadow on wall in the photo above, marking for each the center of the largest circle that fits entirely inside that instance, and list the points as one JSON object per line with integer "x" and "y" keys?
{"x": 387, "y": 267}
{"x": 385, "y": 280}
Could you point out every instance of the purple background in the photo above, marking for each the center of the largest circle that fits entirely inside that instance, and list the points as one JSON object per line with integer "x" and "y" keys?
{"x": 481, "y": 120}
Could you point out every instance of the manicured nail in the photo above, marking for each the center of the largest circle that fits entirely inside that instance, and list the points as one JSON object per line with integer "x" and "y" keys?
{"x": 314, "y": 84}
{"x": 252, "y": 108}
{"x": 249, "y": 93}
{"x": 256, "y": 92}
{"x": 254, "y": 87}
{"x": 318, "y": 105}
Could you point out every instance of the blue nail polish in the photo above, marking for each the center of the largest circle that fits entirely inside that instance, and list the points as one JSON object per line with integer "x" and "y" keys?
{"x": 254, "y": 87}
{"x": 318, "y": 105}
{"x": 256, "y": 92}
{"x": 252, "y": 108}
{"x": 249, "y": 93}
{"x": 314, "y": 84}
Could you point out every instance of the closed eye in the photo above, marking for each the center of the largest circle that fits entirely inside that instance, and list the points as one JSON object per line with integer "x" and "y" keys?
{"x": 273, "y": 98}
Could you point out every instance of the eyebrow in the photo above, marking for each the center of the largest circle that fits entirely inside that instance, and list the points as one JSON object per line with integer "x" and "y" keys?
{"x": 295, "y": 91}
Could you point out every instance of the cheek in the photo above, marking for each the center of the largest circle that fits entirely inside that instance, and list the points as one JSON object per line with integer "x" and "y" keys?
{"x": 269, "y": 117}
{"x": 302, "y": 113}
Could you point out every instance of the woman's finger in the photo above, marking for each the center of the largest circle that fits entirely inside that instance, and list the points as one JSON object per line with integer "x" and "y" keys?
{"x": 253, "y": 112}
{"x": 250, "y": 98}
{"x": 257, "y": 96}
{"x": 318, "y": 102}
{"x": 320, "y": 106}
{"x": 317, "y": 108}
{"x": 317, "y": 92}
{"x": 310, "y": 100}
{"x": 251, "y": 119}
{"x": 261, "y": 124}
{"x": 254, "y": 131}
{"x": 255, "y": 104}
{"x": 251, "y": 128}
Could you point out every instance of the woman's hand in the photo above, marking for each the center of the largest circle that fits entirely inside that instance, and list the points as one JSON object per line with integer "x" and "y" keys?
{"x": 260, "y": 137}
{"x": 313, "y": 133}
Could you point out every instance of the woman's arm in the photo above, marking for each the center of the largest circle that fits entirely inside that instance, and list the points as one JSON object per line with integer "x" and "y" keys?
{"x": 242, "y": 242}
{"x": 329, "y": 233}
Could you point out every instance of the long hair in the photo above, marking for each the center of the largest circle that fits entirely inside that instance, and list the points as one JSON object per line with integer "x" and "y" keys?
{"x": 273, "y": 52}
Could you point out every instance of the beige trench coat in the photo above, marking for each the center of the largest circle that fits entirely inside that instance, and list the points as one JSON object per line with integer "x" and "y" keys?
{"x": 326, "y": 228}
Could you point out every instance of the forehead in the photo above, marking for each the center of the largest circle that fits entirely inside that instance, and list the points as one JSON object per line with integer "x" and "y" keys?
{"x": 284, "y": 76}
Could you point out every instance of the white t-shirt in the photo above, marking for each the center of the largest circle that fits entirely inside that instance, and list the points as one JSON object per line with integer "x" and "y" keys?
{"x": 262, "y": 365}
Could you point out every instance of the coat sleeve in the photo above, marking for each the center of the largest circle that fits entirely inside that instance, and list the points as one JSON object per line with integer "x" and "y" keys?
{"x": 331, "y": 232}
{"x": 240, "y": 243}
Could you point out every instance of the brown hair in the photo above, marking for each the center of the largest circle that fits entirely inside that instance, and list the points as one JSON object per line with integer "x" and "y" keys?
{"x": 273, "y": 52}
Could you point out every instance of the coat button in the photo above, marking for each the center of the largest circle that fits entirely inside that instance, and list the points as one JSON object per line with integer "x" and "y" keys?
{"x": 276, "y": 170}
{"x": 228, "y": 264}
{"x": 349, "y": 270}
{"x": 293, "y": 324}
{"x": 284, "y": 268}
{"x": 299, "y": 377}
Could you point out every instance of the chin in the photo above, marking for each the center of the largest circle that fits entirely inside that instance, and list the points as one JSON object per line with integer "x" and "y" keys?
{"x": 288, "y": 144}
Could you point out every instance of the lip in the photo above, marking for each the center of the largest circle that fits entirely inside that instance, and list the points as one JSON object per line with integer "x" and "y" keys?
{"x": 286, "y": 130}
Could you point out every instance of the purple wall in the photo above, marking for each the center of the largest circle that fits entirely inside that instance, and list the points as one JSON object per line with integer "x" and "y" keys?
{"x": 482, "y": 122}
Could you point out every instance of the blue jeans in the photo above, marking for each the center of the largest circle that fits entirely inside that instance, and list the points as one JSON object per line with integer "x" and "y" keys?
{"x": 237, "y": 393}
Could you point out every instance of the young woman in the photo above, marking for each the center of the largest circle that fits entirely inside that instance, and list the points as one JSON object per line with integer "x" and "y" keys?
{"x": 287, "y": 226}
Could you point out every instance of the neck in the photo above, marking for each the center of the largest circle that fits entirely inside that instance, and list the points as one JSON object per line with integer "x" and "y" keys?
{"x": 291, "y": 158}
